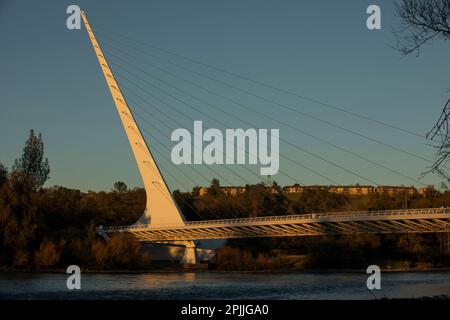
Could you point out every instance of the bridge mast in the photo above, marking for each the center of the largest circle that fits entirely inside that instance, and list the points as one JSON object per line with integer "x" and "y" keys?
{"x": 161, "y": 207}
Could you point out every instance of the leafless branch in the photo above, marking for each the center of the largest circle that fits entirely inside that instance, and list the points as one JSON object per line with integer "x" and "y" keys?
{"x": 422, "y": 21}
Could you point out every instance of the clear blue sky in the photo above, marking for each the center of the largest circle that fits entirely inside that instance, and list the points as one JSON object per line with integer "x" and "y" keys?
{"x": 50, "y": 81}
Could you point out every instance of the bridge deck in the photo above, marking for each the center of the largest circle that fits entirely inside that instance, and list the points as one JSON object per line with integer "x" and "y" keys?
{"x": 390, "y": 221}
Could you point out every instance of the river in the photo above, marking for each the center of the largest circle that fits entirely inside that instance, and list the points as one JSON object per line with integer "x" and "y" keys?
{"x": 156, "y": 286}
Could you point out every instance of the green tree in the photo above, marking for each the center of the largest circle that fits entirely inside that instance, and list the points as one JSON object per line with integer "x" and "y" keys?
{"x": 214, "y": 188}
{"x": 32, "y": 161}
{"x": 120, "y": 187}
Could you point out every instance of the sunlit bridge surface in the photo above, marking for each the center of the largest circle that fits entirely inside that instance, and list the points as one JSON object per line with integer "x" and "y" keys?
{"x": 391, "y": 221}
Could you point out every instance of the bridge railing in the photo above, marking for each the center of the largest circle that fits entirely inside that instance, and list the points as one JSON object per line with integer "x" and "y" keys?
{"x": 349, "y": 214}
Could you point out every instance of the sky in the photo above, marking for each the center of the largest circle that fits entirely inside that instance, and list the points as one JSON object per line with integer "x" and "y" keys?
{"x": 50, "y": 81}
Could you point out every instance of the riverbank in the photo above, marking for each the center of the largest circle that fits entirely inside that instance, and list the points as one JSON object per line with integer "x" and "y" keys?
{"x": 223, "y": 285}
{"x": 182, "y": 269}
{"x": 277, "y": 264}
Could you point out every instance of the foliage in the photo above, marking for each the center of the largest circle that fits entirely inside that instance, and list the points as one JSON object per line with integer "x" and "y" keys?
{"x": 32, "y": 162}
{"x": 3, "y": 175}
{"x": 47, "y": 254}
{"x": 51, "y": 227}
{"x": 18, "y": 218}
{"x": 319, "y": 201}
{"x": 234, "y": 259}
{"x": 119, "y": 252}
{"x": 120, "y": 187}
{"x": 54, "y": 227}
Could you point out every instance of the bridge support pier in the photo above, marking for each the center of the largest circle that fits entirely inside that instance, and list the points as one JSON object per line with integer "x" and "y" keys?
{"x": 190, "y": 253}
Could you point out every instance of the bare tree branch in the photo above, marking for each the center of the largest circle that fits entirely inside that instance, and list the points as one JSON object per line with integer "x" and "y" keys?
{"x": 422, "y": 21}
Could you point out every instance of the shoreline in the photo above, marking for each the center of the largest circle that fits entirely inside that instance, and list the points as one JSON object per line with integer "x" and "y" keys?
{"x": 193, "y": 270}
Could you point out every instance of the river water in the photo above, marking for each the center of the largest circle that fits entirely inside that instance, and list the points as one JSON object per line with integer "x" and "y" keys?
{"x": 156, "y": 286}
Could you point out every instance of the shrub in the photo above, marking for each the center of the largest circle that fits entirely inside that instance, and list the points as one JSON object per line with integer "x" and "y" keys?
{"x": 21, "y": 258}
{"x": 119, "y": 252}
{"x": 47, "y": 255}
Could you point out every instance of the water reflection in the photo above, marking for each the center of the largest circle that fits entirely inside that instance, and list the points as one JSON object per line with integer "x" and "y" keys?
{"x": 223, "y": 286}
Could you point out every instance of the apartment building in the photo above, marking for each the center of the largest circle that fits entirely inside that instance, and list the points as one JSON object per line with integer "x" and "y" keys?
{"x": 355, "y": 190}
{"x": 228, "y": 190}
{"x": 394, "y": 190}
{"x": 296, "y": 188}
{"x": 352, "y": 190}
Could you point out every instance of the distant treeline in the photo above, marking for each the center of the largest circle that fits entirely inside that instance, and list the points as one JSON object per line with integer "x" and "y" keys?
{"x": 402, "y": 251}
{"x": 259, "y": 200}
{"x": 44, "y": 228}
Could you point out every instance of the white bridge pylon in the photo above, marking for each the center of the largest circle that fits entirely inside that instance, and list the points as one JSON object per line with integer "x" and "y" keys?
{"x": 161, "y": 208}
{"x": 163, "y": 222}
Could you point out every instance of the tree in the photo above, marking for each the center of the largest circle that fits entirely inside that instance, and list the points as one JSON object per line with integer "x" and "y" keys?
{"x": 119, "y": 252}
{"x": 214, "y": 188}
{"x": 47, "y": 255}
{"x": 185, "y": 201}
{"x": 120, "y": 187}
{"x": 422, "y": 22}
{"x": 18, "y": 223}
{"x": 441, "y": 136}
{"x": 3, "y": 175}
{"x": 311, "y": 201}
{"x": 32, "y": 162}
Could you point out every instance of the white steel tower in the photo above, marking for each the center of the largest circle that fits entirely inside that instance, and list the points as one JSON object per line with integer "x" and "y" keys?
{"x": 161, "y": 208}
